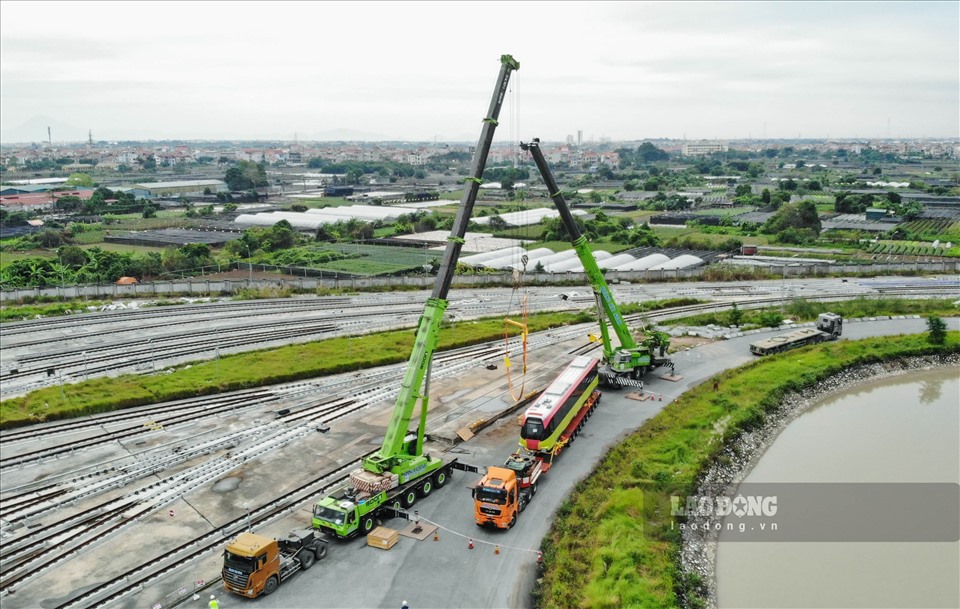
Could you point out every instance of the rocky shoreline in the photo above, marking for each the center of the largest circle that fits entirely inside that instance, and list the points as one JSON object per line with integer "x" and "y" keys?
{"x": 738, "y": 457}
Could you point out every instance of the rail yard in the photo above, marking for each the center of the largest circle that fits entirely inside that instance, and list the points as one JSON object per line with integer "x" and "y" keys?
{"x": 133, "y": 508}
{"x": 143, "y": 338}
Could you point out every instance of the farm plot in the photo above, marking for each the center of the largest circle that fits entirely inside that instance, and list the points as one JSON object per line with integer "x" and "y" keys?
{"x": 944, "y": 229}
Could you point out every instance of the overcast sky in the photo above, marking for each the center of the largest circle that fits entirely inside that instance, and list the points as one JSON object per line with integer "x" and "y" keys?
{"x": 426, "y": 71}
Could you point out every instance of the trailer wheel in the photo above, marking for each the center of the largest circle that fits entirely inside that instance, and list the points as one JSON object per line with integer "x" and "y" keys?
{"x": 271, "y": 586}
{"x": 320, "y": 551}
{"x": 306, "y": 559}
{"x": 440, "y": 478}
{"x": 410, "y": 498}
{"x": 426, "y": 488}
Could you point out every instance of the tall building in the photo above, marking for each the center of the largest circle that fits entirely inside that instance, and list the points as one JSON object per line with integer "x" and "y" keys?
{"x": 701, "y": 148}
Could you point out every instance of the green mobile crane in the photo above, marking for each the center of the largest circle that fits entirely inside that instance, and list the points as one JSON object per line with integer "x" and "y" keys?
{"x": 400, "y": 473}
{"x": 624, "y": 365}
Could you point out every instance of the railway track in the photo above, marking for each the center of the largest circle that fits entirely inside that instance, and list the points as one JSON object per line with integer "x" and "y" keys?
{"x": 48, "y": 362}
{"x": 38, "y": 549}
{"x": 133, "y": 580}
{"x": 368, "y": 387}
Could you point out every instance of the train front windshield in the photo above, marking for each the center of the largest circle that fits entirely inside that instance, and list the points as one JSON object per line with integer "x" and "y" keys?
{"x": 532, "y": 429}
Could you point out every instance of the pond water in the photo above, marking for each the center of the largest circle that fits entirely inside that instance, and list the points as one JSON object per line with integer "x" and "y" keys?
{"x": 903, "y": 429}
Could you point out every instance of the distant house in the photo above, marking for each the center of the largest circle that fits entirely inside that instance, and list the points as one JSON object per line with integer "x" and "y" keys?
{"x": 28, "y": 189}
{"x": 187, "y": 187}
{"x": 38, "y": 201}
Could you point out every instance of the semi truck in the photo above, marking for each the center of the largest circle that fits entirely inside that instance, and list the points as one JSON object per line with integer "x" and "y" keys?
{"x": 829, "y": 326}
{"x": 548, "y": 426}
{"x": 623, "y": 365}
{"x": 400, "y": 472}
{"x": 255, "y": 565}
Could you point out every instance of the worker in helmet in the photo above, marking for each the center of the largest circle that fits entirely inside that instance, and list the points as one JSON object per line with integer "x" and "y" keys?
{"x": 213, "y": 604}
{"x": 405, "y": 605}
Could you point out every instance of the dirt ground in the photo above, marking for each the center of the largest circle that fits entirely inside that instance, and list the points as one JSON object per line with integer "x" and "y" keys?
{"x": 689, "y": 342}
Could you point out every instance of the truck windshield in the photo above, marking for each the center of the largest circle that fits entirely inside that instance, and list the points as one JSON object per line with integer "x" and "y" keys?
{"x": 491, "y": 495}
{"x": 244, "y": 564}
{"x": 328, "y": 514}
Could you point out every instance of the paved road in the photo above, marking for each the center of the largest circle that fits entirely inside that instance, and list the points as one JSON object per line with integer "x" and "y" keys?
{"x": 446, "y": 573}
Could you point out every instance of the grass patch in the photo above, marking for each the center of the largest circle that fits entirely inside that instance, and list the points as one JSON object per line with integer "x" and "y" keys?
{"x": 613, "y": 543}
{"x": 252, "y": 369}
{"x": 52, "y": 309}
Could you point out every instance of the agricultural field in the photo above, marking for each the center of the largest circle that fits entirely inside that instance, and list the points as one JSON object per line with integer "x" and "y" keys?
{"x": 910, "y": 248}
{"x": 377, "y": 259}
{"x": 942, "y": 229}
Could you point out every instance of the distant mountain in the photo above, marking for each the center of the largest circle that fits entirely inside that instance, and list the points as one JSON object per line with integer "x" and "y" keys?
{"x": 35, "y": 131}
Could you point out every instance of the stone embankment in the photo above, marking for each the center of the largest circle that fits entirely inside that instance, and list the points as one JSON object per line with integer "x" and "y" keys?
{"x": 738, "y": 457}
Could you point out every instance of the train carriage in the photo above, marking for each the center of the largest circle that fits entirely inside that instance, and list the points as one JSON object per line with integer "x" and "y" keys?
{"x": 545, "y": 421}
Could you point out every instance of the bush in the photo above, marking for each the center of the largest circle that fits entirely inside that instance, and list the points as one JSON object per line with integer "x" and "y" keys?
{"x": 938, "y": 330}
{"x": 771, "y": 319}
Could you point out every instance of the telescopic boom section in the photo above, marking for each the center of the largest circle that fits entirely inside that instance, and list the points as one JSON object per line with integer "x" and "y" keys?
{"x": 394, "y": 454}
{"x": 601, "y": 291}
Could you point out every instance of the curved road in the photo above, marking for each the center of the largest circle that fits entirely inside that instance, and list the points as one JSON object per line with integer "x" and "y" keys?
{"x": 446, "y": 573}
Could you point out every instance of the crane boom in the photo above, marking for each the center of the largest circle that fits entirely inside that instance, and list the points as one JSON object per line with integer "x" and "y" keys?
{"x": 630, "y": 359}
{"x": 396, "y": 455}
{"x": 605, "y": 302}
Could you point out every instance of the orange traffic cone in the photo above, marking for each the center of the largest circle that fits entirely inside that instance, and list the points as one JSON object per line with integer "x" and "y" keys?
{"x": 470, "y": 545}
{"x": 496, "y": 549}
{"x": 436, "y": 536}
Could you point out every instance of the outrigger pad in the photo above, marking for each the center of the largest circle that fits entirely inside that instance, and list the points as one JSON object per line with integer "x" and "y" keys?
{"x": 671, "y": 377}
{"x": 426, "y": 529}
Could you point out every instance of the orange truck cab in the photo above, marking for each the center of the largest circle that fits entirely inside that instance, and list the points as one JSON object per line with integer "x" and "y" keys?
{"x": 255, "y": 565}
{"x": 497, "y": 498}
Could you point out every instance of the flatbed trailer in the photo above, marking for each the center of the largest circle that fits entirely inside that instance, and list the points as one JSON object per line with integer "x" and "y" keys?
{"x": 829, "y": 326}
{"x": 504, "y": 492}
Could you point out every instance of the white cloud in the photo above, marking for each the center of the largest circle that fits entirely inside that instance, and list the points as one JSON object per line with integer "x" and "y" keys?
{"x": 419, "y": 70}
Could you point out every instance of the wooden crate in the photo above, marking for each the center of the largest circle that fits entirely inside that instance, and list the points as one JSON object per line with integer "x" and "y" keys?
{"x": 383, "y": 538}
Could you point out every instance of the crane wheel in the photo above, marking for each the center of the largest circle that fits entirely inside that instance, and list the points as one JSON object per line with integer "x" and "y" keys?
{"x": 367, "y": 524}
{"x": 426, "y": 488}
{"x": 440, "y": 478}
{"x": 410, "y": 498}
